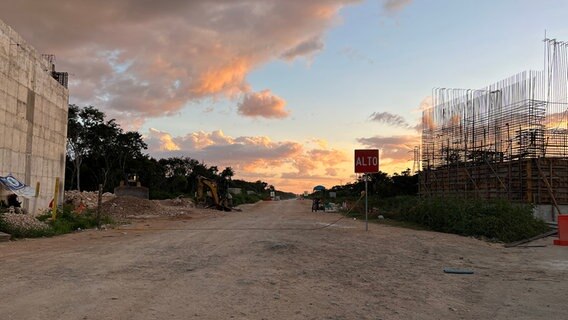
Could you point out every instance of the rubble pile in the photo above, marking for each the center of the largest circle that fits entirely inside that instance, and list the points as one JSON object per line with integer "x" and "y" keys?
{"x": 89, "y": 198}
{"x": 22, "y": 222}
{"x": 123, "y": 207}
{"x": 178, "y": 202}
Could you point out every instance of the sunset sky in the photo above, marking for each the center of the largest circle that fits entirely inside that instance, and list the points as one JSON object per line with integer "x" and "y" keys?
{"x": 282, "y": 90}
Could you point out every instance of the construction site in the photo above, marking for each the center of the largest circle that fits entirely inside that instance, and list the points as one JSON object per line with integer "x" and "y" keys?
{"x": 508, "y": 140}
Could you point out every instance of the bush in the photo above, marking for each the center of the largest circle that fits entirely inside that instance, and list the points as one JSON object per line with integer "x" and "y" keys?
{"x": 494, "y": 219}
{"x": 243, "y": 198}
{"x": 68, "y": 220}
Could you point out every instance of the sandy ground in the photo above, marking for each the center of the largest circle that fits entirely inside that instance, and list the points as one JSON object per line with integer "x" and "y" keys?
{"x": 268, "y": 262}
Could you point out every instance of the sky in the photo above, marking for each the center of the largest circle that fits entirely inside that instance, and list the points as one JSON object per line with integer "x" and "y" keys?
{"x": 282, "y": 91}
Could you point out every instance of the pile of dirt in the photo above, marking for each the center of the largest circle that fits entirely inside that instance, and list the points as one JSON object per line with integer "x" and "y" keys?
{"x": 124, "y": 207}
{"x": 130, "y": 207}
{"x": 88, "y": 198}
{"x": 177, "y": 202}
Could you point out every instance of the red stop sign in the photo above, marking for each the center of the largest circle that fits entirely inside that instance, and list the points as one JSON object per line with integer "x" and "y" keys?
{"x": 367, "y": 161}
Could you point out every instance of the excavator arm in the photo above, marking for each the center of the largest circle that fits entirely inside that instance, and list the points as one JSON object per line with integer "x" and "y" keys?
{"x": 203, "y": 183}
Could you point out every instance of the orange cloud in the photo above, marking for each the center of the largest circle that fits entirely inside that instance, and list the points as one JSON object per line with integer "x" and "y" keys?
{"x": 256, "y": 157}
{"x": 322, "y": 143}
{"x": 228, "y": 78}
{"x": 328, "y": 157}
{"x": 203, "y": 139}
{"x": 166, "y": 140}
{"x": 150, "y": 59}
{"x": 263, "y": 104}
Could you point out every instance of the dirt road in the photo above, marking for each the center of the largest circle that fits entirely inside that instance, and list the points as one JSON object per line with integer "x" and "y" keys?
{"x": 263, "y": 263}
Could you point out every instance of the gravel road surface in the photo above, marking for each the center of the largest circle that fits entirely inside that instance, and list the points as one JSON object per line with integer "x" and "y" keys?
{"x": 277, "y": 260}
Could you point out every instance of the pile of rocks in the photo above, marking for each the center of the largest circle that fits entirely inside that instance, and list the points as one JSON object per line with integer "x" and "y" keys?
{"x": 178, "y": 202}
{"x": 22, "y": 222}
{"x": 89, "y": 198}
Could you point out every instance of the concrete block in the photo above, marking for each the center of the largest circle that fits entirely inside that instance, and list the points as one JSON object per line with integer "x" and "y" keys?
{"x": 3, "y": 164}
{"x": 11, "y": 103}
{"x": 3, "y": 80}
{"x": 3, "y": 106}
{"x": 22, "y": 93}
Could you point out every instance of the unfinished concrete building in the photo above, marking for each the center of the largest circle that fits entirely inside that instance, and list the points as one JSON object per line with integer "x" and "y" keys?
{"x": 508, "y": 140}
{"x": 33, "y": 117}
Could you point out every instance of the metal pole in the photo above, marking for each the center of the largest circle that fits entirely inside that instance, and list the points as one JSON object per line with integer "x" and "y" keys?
{"x": 55, "y": 198}
{"x": 99, "y": 202}
{"x": 366, "y": 205}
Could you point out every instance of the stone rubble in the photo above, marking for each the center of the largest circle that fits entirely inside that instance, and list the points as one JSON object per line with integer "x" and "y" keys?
{"x": 22, "y": 222}
{"x": 89, "y": 198}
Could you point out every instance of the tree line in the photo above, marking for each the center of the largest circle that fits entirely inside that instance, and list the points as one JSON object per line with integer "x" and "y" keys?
{"x": 382, "y": 184}
{"x": 100, "y": 152}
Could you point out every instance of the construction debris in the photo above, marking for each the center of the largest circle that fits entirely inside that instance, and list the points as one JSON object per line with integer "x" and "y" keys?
{"x": 540, "y": 236}
{"x": 177, "y": 202}
{"x": 126, "y": 207}
{"x": 130, "y": 207}
{"x": 123, "y": 207}
{"x": 88, "y": 198}
{"x": 22, "y": 222}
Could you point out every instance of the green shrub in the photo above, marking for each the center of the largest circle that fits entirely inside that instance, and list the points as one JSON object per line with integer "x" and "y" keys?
{"x": 243, "y": 198}
{"x": 493, "y": 219}
{"x": 68, "y": 221}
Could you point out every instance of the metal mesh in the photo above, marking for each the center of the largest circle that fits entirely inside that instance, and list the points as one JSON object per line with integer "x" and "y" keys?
{"x": 524, "y": 116}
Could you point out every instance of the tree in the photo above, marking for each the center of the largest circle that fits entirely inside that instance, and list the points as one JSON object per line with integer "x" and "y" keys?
{"x": 80, "y": 123}
{"x": 405, "y": 183}
{"x": 102, "y": 144}
{"x": 103, "y": 139}
{"x": 227, "y": 173}
{"x": 75, "y": 146}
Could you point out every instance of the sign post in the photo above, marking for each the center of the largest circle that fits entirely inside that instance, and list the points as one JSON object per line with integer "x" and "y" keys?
{"x": 366, "y": 161}
{"x": 366, "y": 203}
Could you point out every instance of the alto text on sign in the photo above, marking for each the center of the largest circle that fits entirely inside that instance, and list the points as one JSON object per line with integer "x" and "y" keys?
{"x": 367, "y": 161}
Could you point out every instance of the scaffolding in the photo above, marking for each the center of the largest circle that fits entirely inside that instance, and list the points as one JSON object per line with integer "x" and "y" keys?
{"x": 495, "y": 141}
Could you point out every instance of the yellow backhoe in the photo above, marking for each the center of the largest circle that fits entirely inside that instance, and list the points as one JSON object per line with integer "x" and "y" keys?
{"x": 221, "y": 203}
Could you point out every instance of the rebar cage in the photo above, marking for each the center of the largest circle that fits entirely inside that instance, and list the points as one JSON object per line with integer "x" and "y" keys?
{"x": 491, "y": 142}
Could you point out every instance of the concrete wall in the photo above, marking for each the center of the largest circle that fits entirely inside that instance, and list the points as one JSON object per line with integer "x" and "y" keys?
{"x": 33, "y": 117}
{"x": 548, "y": 212}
